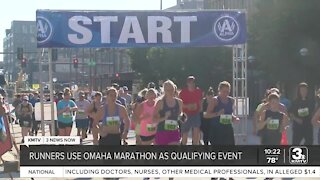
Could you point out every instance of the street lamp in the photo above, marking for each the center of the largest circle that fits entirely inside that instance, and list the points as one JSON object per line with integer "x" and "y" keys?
{"x": 304, "y": 52}
{"x": 251, "y": 59}
{"x": 54, "y": 80}
{"x": 252, "y": 86}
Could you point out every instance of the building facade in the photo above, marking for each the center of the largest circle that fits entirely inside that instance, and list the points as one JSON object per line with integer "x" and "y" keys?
{"x": 248, "y": 5}
{"x": 95, "y": 64}
{"x": 20, "y": 35}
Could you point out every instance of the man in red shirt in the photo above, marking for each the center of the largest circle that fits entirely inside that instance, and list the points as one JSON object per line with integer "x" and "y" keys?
{"x": 191, "y": 97}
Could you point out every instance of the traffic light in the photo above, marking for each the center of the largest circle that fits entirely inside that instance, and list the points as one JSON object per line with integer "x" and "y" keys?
{"x": 19, "y": 53}
{"x": 24, "y": 63}
{"x": 75, "y": 63}
{"x": 117, "y": 75}
{"x": 54, "y": 54}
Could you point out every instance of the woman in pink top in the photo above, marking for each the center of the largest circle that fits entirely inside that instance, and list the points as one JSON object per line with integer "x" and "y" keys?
{"x": 145, "y": 112}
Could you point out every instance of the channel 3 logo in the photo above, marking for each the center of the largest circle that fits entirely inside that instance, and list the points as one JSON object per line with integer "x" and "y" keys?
{"x": 298, "y": 155}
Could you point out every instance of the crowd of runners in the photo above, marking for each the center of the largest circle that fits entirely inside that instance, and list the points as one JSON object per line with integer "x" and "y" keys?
{"x": 166, "y": 115}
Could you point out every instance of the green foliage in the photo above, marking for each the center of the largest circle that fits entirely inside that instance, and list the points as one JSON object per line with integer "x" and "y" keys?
{"x": 208, "y": 65}
{"x": 278, "y": 31}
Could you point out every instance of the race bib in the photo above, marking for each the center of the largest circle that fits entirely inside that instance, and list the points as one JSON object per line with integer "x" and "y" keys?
{"x": 226, "y": 119}
{"x": 303, "y": 112}
{"x": 113, "y": 121}
{"x": 170, "y": 125}
{"x": 26, "y": 123}
{"x": 151, "y": 127}
{"x": 273, "y": 124}
{"x": 81, "y": 111}
{"x": 66, "y": 115}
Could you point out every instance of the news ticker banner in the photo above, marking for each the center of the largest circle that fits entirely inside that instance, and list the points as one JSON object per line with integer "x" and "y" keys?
{"x": 80, "y": 155}
{"x": 169, "y": 161}
{"x": 162, "y": 171}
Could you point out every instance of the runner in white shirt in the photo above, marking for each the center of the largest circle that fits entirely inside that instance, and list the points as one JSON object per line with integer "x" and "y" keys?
{"x": 82, "y": 120}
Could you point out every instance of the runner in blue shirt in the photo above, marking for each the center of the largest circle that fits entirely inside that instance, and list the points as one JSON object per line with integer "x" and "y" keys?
{"x": 66, "y": 108}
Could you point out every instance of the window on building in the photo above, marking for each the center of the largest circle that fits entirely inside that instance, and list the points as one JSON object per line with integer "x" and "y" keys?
{"x": 24, "y": 29}
{"x": 32, "y": 39}
{"x": 32, "y": 29}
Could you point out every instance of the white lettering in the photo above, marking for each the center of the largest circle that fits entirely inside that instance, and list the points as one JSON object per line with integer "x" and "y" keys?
{"x": 75, "y": 26}
{"x": 185, "y": 26}
{"x": 154, "y": 29}
{"x": 226, "y": 26}
{"x": 42, "y": 28}
{"x": 105, "y": 26}
{"x": 136, "y": 34}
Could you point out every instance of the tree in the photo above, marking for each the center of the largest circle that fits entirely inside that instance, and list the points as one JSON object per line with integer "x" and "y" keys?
{"x": 208, "y": 65}
{"x": 278, "y": 31}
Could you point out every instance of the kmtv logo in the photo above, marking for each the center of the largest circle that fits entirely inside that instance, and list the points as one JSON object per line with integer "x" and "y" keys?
{"x": 298, "y": 155}
{"x": 44, "y": 28}
{"x": 226, "y": 28}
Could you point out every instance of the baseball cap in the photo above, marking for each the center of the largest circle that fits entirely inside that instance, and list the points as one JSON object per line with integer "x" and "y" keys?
{"x": 151, "y": 85}
{"x": 81, "y": 93}
{"x": 275, "y": 90}
{"x": 93, "y": 93}
{"x": 125, "y": 88}
{"x": 191, "y": 78}
{"x": 25, "y": 98}
{"x": 115, "y": 85}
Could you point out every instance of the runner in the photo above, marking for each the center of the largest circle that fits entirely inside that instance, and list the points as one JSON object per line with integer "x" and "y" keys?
{"x": 127, "y": 97}
{"x": 111, "y": 115}
{"x": 205, "y": 123}
{"x": 257, "y": 113}
{"x": 68, "y": 90}
{"x": 120, "y": 100}
{"x": 145, "y": 113}
{"x": 16, "y": 102}
{"x": 25, "y": 111}
{"x": 191, "y": 97}
{"x": 301, "y": 113}
{"x": 82, "y": 121}
{"x": 272, "y": 122}
{"x": 220, "y": 108}
{"x": 167, "y": 112}
{"x": 141, "y": 97}
{"x": 316, "y": 123}
{"x": 66, "y": 108}
{"x": 92, "y": 111}
{"x": 34, "y": 98}
{"x": 282, "y": 109}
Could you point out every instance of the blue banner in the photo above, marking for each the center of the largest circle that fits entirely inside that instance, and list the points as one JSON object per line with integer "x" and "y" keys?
{"x": 93, "y": 29}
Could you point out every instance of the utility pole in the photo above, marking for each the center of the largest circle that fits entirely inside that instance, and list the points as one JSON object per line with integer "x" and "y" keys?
{"x": 90, "y": 72}
{"x": 51, "y": 92}
{"x": 41, "y": 94}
